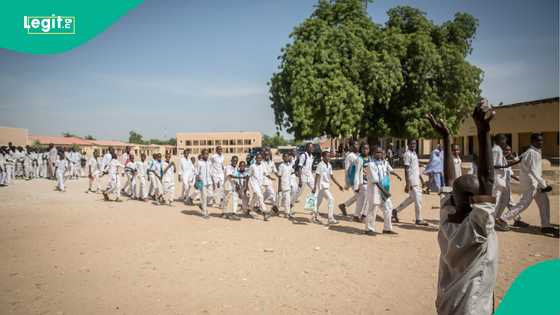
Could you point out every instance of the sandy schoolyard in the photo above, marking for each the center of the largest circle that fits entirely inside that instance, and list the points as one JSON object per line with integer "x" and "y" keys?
{"x": 73, "y": 253}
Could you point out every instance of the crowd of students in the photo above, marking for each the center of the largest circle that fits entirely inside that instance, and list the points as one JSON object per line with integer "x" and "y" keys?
{"x": 472, "y": 205}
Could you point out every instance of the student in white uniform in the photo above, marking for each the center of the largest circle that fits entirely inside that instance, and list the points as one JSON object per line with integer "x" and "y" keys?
{"x": 360, "y": 183}
{"x": 323, "y": 177}
{"x": 114, "y": 186}
{"x": 186, "y": 175}
{"x": 53, "y": 157}
{"x": 141, "y": 173}
{"x": 9, "y": 162}
{"x": 74, "y": 159}
{"x": 240, "y": 183}
{"x": 268, "y": 189}
{"x": 131, "y": 169}
{"x": 533, "y": 186}
{"x": 43, "y": 168}
{"x": 351, "y": 165}
{"x": 231, "y": 196}
{"x": 305, "y": 170}
{"x": 28, "y": 164}
{"x": 168, "y": 179}
{"x": 457, "y": 162}
{"x": 293, "y": 178}
{"x": 257, "y": 173}
{"x": 218, "y": 176}
{"x": 155, "y": 173}
{"x": 60, "y": 170}
{"x": 3, "y": 166}
{"x": 124, "y": 159}
{"x": 414, "y": 184}
{"x": 204, "y": 181}
{"x": 94, "y": 172}
{"x": 285, "y": 172}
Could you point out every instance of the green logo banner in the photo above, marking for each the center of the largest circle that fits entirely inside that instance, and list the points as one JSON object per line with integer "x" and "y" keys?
{"x": 55, "y": 26}
{"x": 534, "y": 291}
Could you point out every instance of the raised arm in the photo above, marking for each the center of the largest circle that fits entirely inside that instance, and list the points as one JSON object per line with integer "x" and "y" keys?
{"x": 485, "y": 168}
{"x": 441, "y": 128}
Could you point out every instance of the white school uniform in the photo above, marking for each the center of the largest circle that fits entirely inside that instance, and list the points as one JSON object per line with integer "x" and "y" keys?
{"x": 268, "y": 187}
{"x": 294, "y": 181}
{"x": 9, "y": 162}
{"x": 114, "y": 186}
{"x": 306, "y": 168}
{"x": 217, "y": 169}
{"x": 410, "y": 160}
{"x": 458, "y": 171}
{"x": 2, "y": 169}
{"x": 360, "y": 184}
{"x": 203, "y": 173}
{"x": 141, "y": 181}
{"x": 383, "y": 169}
{"x": 256, "y": 181}
{"x": 93, "y": 165}
{"x": 285, "y": 171}
{"x": 60, "y": 169}
{"x": 240, "y": 188}
{"x": 325, "y": 172}
{"x": 186, "y": 169}
{"x": 231, "y": 196}
{"x": 168, "y": 181}
{"x": 155, "y": 183}
{"x": 130, "y": 169}
{"x": 531, "y": 182}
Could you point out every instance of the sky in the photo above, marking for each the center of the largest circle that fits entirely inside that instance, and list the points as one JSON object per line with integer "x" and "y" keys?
{"x": 182, "y": 66}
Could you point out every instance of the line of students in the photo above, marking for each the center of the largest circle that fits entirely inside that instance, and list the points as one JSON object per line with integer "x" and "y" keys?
{"x": 32, "y": 163}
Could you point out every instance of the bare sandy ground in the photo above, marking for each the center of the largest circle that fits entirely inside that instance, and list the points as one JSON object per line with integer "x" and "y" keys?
{"x": 72, "y": 253}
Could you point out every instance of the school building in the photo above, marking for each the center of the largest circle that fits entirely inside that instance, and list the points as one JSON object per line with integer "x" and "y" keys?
{"x": 517, "y": 122}
{"x": 231, "y": 142}
{"x": 17, "y": 136}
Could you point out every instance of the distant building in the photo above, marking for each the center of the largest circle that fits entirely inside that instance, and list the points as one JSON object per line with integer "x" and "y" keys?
{"x": 17, "y": 136}
{"x": 231, "y": 142}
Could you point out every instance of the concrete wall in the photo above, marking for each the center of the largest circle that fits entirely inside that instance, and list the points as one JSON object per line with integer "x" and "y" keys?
{"x": 231, "y": 142}
{"x": 17, "y": 136}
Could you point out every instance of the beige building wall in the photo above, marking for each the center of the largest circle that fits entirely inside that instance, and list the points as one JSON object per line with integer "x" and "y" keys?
{"x": 517, "y": 121}
{"x": 231, "y": 142}
{"x": 17, "y": 136}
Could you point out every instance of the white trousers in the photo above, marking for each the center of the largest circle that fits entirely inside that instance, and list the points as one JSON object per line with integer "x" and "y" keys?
{"x": 204, "y": 199}
{"x": 142, "y": 191}
{"x": 114, "y": 186}
{"x": 94, "y": 182}
{"x": 414, "y": 196}
{"x": 325, "y": 193}
{"x": 307, "y": 183}
{"x": 285, "y": 200}
{"x": 60, "y": 181}
{"x": 257, "y": 198}
{"x": 231, "y": 201}
{"x": 9, "y": 173}
{"x": 269, "y": 193}
{"x": 168, "y": 191}
{"x": 527, "y": 197}
{"x": 186, "y": 187}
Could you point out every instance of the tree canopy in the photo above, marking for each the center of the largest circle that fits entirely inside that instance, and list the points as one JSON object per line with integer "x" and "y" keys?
{"x": 137, "y": 138}
{"x": 344, "y": 75}
{"x": 274, "y": 141}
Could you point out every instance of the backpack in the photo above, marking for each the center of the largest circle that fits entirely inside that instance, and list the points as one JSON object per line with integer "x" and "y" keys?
{"x": 297, "y": 167}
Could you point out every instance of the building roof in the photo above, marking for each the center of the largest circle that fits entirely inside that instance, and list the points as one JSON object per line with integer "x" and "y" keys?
{"x": 109, "y": 143}
{"x": 58, "y": 140}
{"x": 534, "y": 102}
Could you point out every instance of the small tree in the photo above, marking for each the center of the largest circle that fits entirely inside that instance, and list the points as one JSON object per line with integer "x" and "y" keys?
{"x": 134, "y": 137}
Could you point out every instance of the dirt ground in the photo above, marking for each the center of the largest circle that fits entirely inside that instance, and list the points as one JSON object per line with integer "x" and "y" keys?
{"x": 73, "y": 253}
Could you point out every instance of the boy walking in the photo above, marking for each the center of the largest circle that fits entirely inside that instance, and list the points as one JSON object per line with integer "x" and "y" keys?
{"x": 323, "y": 177}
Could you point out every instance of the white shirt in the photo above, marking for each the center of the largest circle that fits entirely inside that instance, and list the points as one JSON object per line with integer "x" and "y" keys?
{"x": 306, "y": 164}
{"x": 499, "y": 160}
{"x": 169, "y": 175}
{"x": 217, "y": 162}
{"x": 186, "y": 168}
{"x": 94, "y": 164}
{"x": 457, "y": 166}
{"x": 531, "y": 169}
{"x": 141, "y": 168}
{"x": 53, "y": 155}
{"x": 61, "y": 166}
{"x": 349, "y": 160}
{"x": 114, "y": 166}
{"x": 375, "y": 170}
{"x": 269, "y": 169}
{"x": 256, "y": 175}
{"x": 106, "y": 159}
{"x": 203, "y": 172}
{"x": 285, "y": 171}
{"x": 230, "y": 171}
{"x": 324, "y": 171}
{"x": 410, "y": 159}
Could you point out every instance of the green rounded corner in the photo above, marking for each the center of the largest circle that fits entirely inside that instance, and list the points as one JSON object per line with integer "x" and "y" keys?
{"x": 534, "y": 291}
{"x": 90, "y": 18}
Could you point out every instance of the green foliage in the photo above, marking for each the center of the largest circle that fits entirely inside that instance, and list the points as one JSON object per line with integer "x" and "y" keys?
{"x": 274, "y": 141}
{"x": 344, "y": 75}
{"x": 69, "y": 135}
{"x": 89, "y": 137}
{"x": 134, "y": 137}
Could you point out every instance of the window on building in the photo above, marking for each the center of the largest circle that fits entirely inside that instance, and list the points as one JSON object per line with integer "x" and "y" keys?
{"x": 231, "y": 142}
{"x": 218, "y": 142}
{"x": 195, "y": 142}
{"x": 239, "y": 142}
{"x": 210, "y": 142}
{"x": 202, "y": 142}
{"x": 188, "y": 143}
{"x": 247, "y": 142}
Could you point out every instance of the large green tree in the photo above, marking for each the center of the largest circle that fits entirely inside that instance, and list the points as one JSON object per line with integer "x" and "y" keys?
{"x": 344, "y": 75}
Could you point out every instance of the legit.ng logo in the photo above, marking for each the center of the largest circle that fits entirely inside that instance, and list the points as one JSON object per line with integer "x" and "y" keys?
{"x": 50, "y": 25}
